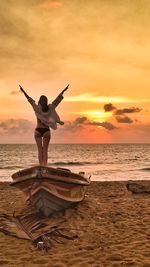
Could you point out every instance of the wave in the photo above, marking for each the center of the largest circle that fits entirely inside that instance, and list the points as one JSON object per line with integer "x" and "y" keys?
{"x": 71, "y": 163}
{"x": 11, "y": 167}
{"x": 145, "y": 169}
{"x": 58, "y": 163}
{"x": 132, "y": 159}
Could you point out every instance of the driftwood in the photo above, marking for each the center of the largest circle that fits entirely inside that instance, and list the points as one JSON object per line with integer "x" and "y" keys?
{"x": 42, "y": 232}
{"x": 138, "y": 187}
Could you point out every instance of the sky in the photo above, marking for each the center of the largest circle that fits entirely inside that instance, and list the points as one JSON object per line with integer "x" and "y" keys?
{"x": 100, "y": 47}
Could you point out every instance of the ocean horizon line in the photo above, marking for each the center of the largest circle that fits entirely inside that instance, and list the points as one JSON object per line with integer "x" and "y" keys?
{"x": 119, "y": 143}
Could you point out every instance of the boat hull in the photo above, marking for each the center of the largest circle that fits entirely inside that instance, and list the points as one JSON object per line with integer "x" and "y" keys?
{"x": 50, "y": 193}
{"x": 48, "y": 203}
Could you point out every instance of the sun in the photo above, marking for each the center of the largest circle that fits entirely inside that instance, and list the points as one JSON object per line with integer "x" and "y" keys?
{"x": 96, "y": 115}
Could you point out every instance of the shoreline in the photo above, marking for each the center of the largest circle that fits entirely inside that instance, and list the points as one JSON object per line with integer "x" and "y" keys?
{"x": 111, "y": 223}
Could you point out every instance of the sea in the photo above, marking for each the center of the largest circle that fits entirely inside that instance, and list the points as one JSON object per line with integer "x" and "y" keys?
{"x": 103, "y": 162}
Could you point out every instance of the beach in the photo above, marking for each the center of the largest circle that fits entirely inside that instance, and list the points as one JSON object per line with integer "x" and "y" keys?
{"x": 111, "y": 225}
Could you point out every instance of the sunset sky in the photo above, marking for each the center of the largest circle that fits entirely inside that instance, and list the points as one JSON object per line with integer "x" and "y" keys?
{"x": 100, "y": 47}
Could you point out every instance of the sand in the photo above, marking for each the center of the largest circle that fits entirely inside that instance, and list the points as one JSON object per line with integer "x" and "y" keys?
{"x": 112, "y": 224}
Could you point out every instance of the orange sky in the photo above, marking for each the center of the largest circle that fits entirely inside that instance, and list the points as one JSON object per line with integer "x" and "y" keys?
{"x": 101, "y": 48}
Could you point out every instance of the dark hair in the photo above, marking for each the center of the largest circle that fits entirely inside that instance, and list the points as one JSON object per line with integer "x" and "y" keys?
{"x": 43, "y": 101}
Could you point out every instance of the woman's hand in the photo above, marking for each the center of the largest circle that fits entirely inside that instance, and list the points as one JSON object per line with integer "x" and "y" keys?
{"x": 65, "y": 89}
{"x": 21, "y": 88}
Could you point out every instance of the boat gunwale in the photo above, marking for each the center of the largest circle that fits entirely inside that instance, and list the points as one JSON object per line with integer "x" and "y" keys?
{"x": 49, "y": 171}
{"x": 42, "y": 178}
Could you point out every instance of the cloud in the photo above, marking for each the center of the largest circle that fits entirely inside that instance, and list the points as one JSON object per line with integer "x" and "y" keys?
{"x": 107, "y": 125}
{"x": 119, "y": 113}
{"x": 22, "y": 126}
{"x": 75, "y": 125}
{"x": 83, "y": 122}
{"x": 14, "y": 92}
{"x": 124, "y": 119}
{"x": 80, "y": 120}
{"x": 127, "y": 110}
{"x": 43, "y": 43}
{"x": 16, "y": 126}
{"x": 108, "y": 107}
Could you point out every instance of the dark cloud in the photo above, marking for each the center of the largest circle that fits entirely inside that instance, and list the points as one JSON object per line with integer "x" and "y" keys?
{"x": 75, "y": 125}
{"x": 82, "y": 122}
{"x": 14, "y": 92}
{"x": 127, "y": 110}
{"x": 107, "y": 125}
{"x": 124, "y": 119}
{"x": 108, "y": 107}
{"x": 119, "y": 113}
{"x": 15, "y": 126}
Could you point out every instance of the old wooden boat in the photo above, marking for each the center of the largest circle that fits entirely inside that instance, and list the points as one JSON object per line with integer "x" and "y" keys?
{"x": 51, "y": 189}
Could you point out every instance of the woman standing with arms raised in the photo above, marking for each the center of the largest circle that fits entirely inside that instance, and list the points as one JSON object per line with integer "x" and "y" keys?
{"x": 47, "y": 118}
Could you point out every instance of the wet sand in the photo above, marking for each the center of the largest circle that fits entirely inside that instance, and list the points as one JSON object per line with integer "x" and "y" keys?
{"x": 112, "y": 225}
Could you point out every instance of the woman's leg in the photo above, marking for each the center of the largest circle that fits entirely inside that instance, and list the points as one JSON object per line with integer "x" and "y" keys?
{"x": 46, "y": 139}
{"x": 38, "y": 139}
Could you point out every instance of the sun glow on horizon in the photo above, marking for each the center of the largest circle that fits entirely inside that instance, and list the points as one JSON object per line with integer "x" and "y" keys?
{"x": 96, "y": 115}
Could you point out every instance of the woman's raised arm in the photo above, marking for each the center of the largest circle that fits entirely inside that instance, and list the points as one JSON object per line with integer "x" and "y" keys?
{"x": 22, "y": 90}
{"x": 59, "y": 98}
{"x": 66, "y": 88}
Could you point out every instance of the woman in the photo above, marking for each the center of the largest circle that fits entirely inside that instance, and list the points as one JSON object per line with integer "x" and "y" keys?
{"x": 47, "y": 118}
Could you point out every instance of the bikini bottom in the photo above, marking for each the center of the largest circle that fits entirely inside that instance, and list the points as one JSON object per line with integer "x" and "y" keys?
{"x": 42, "y": 131}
